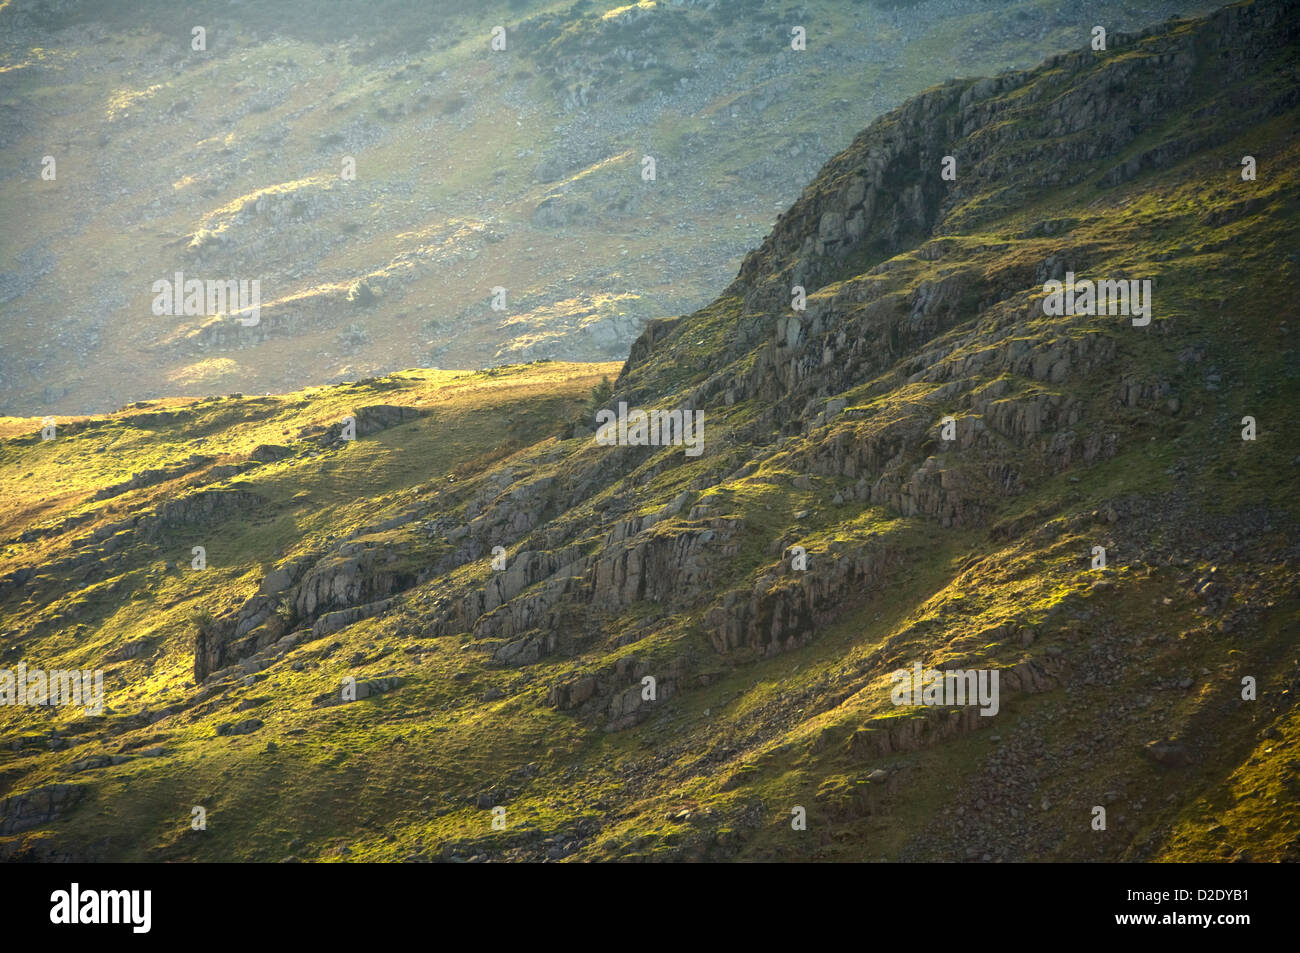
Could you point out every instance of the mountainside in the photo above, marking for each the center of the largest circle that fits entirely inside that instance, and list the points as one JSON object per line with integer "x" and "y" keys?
{"x": 978, "y": 479}
{"x": 379, "y": 169}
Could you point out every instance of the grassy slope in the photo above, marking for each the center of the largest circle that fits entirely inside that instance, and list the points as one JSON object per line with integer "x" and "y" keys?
{"x": 402, "y": 774}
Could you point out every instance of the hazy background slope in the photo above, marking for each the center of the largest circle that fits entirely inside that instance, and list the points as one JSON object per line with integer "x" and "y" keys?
{"x": 474, "y": 169}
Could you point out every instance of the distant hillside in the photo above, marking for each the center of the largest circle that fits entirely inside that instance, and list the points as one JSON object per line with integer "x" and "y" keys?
{"x": 645, "y": 669}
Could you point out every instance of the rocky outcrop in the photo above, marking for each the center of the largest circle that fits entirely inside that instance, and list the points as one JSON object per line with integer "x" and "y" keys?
{"x": 316, "y": 595}
{"x": 203, "y": 507}
{"x": 619, "y": 694}
{"x": 37, "y": 807}
{"x": 1063, "y": 120}
{"x": 783, "y": 609}
{"x": 357, "y": 574}
{"x": 331, "y": 622}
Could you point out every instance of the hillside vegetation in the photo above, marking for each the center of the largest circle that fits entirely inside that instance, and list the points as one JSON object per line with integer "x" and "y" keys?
{"x": 524, "y": 688}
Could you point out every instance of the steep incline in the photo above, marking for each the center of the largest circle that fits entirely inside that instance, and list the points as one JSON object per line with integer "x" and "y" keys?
{"x": 828, "y": 429}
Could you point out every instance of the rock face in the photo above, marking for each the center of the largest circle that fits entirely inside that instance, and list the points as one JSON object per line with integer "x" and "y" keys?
{"x": 354, "y": 576}
{"x": 376, "y": 417}
{"x": 317, "y": 594}
{"x": 205, "y": 506}
{"x": 618, "y": 693}
{"x": 37, "y": 807}
{"x": 869, "y": 203}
